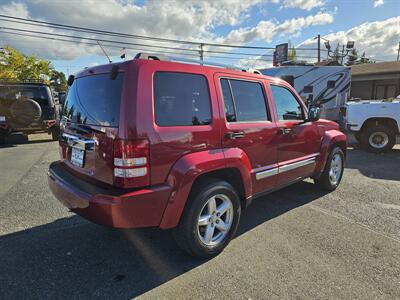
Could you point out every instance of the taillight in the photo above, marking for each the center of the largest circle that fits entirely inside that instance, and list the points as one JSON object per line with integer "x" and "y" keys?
{"x": 131, "y": 163}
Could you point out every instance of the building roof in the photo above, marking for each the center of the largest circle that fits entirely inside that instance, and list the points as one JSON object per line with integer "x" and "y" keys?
{"x": 376, "y": 68}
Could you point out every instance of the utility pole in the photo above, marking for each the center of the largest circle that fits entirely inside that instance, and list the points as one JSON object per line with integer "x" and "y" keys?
{"x": 342, "y": 54}
{"x": 319, "y": 47}
{"x": 398, "y": 52}
{"x": 201, "y": 52}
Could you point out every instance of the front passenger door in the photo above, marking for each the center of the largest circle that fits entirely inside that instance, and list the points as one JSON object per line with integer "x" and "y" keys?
{"x": 298, "y": 141}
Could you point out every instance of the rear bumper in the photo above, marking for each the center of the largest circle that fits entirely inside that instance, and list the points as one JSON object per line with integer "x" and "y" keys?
{"x": 110, "y": 207}
{"x": 45, "y": 125}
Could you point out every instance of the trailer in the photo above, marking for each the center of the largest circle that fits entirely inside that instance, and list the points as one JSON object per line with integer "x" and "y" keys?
{"x": 325, "y": 86}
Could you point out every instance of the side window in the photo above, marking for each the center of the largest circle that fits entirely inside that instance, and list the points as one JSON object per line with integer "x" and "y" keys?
{"x": 244, "y": 101}
{"x": 228, "y": 101}
{"x": 181, "y": 99}
{"x": 287, "y": 106}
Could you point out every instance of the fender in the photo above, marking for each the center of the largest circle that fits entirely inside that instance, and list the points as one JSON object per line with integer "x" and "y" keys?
{"x": 330, "y": 138}
{"x": 189, "y": 167}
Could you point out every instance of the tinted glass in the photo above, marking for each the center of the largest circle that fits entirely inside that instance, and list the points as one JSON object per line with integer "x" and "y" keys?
{"x": 40, "y": 94}
{"x": 228, "y": 101}
{"x": 287, "y": 107}
{"x": 249, "y": 101}
{"x": 94, "y": 100}
{"x": 181, "y": 99}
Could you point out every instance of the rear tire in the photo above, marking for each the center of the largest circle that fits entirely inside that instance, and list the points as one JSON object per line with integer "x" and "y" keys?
{"x": 378, "y": 139}
{"x": 333, "y": 171}
{"x": 207, "y": 227}
{"x": 55, "y": 133}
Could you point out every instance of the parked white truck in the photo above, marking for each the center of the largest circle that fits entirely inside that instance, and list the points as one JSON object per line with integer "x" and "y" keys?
{"x": 375, "y": 124}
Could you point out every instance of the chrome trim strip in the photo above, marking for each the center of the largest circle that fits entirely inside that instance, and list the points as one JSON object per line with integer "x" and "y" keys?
{"x": 77, "y": 142}
{"x": 296, "y": 165}
{"x": 285, "y": 168}
{"x": 267, "y": 173}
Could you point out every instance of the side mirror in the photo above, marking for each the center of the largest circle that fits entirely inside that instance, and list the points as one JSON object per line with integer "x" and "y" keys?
{"x": 70, "y": 80}
{"x": 313, "y": 113}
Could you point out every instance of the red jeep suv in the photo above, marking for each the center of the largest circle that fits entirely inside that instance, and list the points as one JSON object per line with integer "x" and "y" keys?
{"x": 155, "y": 143}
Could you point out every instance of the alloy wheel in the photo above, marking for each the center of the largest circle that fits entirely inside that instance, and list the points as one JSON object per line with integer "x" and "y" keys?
{"x": 215, "y": 220}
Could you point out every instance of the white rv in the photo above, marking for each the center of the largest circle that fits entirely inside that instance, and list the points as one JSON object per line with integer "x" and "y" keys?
{"x": 325, "y": 86}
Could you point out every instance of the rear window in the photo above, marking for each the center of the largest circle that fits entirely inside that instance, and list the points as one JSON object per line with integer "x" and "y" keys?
{"x": 40, "y": 94}
{"x": 94, "y": 100}
{"x": 181, "y": 99}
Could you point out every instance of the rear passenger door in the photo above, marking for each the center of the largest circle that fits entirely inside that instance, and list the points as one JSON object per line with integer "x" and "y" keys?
{"x": 185, "y": 119}
{"x": 298, "y": 141}
{"x": 248, "y": 126}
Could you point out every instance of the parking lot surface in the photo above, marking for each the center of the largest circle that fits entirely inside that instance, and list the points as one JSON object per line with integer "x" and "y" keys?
{"x": 299, "y": 242}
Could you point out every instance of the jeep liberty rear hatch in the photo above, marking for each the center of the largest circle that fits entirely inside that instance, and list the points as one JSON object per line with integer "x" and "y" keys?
{"x": 89, "y": 124}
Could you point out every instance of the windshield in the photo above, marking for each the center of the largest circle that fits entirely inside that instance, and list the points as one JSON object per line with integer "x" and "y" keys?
{"x": 94, "y": 100}
{"x": 14, "y": 92}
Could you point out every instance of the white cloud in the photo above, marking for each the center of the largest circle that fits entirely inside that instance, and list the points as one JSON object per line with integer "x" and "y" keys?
{"x": 378, "y": 39}
{"x": 267, "y": 30}
{"x": 378, "y": 3}
{"x": 181, "y": 19}
{"x": 304, "y": 4}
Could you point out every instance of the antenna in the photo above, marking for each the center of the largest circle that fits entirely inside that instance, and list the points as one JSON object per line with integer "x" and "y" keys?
{"x": 101, "y": 47}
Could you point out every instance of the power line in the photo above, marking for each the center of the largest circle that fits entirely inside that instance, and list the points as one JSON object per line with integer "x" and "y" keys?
{"x": 95, "y": 39}
{"x": 113, "y": 46}
{"x": 89, "y": 43}
{"x": 113, "y": 33}
{"x": 137, "y": 44}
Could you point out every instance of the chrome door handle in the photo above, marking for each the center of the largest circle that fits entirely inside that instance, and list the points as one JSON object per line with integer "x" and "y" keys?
{"x": 235, "y": 135}
{"x": 285, "y": 131}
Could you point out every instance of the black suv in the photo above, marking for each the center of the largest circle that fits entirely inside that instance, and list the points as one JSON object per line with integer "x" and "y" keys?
{"x": 27, "y": 107}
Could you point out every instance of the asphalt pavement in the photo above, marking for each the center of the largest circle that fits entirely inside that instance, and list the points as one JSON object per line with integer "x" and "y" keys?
{"x": 299, "y": 242}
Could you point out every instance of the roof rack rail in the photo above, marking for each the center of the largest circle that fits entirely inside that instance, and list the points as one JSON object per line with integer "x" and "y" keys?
{"x": 12, "y": 80}
{"x": 161, "y": 57}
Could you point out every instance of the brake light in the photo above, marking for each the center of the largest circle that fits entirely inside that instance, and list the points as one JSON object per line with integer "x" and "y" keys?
{"x": 131, "y": 163}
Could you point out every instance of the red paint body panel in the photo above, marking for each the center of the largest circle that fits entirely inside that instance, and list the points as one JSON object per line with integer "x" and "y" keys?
{"x": 178, "y": 155}
{"x": 121, "y": 209}
{"x": 190, "y": 167}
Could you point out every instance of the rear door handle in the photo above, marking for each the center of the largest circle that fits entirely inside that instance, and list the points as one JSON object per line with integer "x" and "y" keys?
{"x": 285, "y": 131}
{"x": 235, "y": 135}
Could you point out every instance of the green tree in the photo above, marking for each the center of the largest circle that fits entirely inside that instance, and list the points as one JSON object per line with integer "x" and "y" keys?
{"x": 58, "y": 80}
{"x": 291, "y": 52}
{"x": 352, "y": 57}
{"x": 15, "y": 65}
{"x": 366, "y": 60}
{"x": 336, "y": 54}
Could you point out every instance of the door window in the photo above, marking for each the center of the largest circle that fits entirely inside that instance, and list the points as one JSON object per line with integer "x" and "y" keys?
{"x": 244, "y": 101}
{"x": 287, "y": 106}
{"x": 181, "y": 99}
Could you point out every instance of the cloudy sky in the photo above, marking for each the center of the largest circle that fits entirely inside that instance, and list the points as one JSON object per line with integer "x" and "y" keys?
{"x": 374, "y": 25}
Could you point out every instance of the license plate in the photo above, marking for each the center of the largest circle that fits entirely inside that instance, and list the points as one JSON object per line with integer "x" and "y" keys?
{"x": 77, "y": 157}
{"x": 2, "y": 118}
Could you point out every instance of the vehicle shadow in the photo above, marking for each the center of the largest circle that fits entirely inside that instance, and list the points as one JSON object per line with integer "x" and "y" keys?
{"x": 76, "y": 259}
{"x": 20, "y": 139}
{"x": 378, "y": 166}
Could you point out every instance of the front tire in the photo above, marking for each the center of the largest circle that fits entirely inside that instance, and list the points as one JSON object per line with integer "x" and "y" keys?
{"x": 333, "y": 171}
{"x": 378, "y": 139}
{"x": 210, "y": 219}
